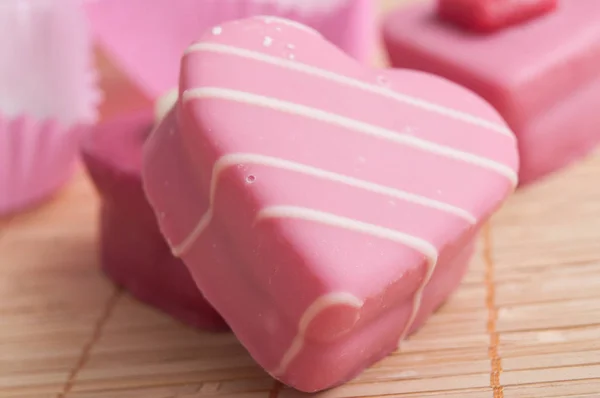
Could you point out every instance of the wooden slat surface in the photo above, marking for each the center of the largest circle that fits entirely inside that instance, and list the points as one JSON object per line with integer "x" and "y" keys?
{"x": 533, "y": 286}
{"x": 525, "y": 322}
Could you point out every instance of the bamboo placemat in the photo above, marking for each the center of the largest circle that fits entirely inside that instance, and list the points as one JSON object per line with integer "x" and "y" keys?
{"x": 524, "y": 323}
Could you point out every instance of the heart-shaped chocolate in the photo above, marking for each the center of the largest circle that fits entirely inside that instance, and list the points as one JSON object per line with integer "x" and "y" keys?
{"x": 324, "y": 208}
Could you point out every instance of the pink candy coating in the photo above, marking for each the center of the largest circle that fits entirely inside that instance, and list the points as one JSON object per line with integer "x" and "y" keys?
{"x": 325, "y": 209}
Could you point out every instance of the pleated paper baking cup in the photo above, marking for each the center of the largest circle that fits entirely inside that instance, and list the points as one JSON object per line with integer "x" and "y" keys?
{"x": 48, "y": 93}
{"x": 36, "y": 159}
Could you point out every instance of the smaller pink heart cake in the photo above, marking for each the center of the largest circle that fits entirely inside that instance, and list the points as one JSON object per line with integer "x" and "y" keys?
{"x": 48, "y": 95}
{"x": 132, "y": 250}
{"x": 324, "y": 208}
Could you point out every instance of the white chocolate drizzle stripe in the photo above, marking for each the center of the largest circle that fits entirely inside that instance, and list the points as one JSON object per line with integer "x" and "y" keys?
{"x": 300, "y": 213}
{"x": 233, "y": 159}
{"x": 283, "y": 21}
{"x": 416, "y": 304}
{"x": 345, "y": 80}
{"x": 164, "y": 104}
{"x": 350, "y": 124}
{"x": 322, "y": 217}
{"x": 320, "y": 304}
{"x": 187, "y": 243}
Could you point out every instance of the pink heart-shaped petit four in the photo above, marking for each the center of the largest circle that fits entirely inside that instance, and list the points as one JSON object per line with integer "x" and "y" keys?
{"x": 325, "y": 209}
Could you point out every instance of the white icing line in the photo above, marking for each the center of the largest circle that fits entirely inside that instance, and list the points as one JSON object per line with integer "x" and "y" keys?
{"x": 301, "y": 213}
{"x": 248, "y": 158}
{"x": 187, "y": 243}
{"x": 345, "y": 80}
{"x": 271, "y": 19}
{"x": 319, "y": 305}
{"x": 350, "y": 124}
{"x": 164, "y": 104}
{"x": 416, "y": 305}
{"x": 326, "y": 218}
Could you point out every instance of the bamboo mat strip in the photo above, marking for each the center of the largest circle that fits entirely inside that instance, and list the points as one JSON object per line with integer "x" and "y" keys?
{"x": 84, "y": 357}
{"x": 523, "y": 325}
{"x": 490, "y": 284}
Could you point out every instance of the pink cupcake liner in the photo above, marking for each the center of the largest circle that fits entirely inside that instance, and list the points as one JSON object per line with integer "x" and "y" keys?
{"x": 147, "y": 38}
{"x": 36, "y": 159}
{"x": 49, "y": 93}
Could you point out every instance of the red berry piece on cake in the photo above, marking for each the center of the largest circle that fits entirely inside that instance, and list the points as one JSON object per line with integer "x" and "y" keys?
{"x": 489, "y": 15}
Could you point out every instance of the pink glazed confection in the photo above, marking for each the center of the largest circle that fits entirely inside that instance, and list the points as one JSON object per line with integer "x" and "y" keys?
{"x": 325, "y": 209}
{"x": 132, "y": 250}
{"x": 146, "y": 38}
{"x": 542, "y": 75}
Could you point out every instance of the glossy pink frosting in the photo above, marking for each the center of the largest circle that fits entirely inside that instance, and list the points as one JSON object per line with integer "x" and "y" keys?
{"x": 325, "y": 209}
{"x": 542, "y": 75}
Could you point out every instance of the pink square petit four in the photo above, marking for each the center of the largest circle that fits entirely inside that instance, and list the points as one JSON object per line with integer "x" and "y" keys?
{"x": 542, "y": 74}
